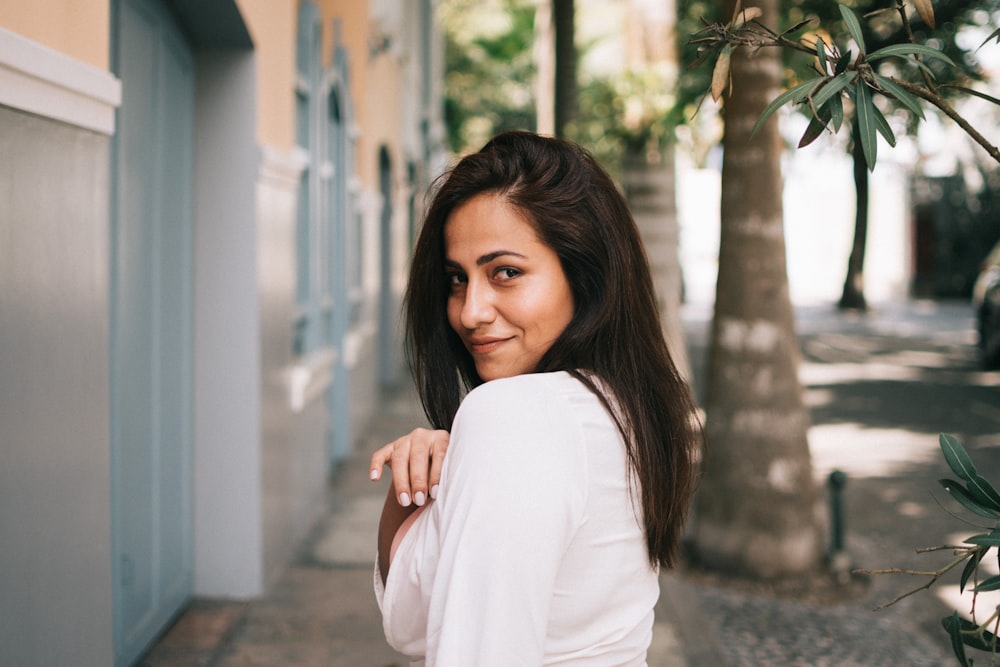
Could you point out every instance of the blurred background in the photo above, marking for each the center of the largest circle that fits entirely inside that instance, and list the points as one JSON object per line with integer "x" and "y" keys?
{"x": 206, "y": 214}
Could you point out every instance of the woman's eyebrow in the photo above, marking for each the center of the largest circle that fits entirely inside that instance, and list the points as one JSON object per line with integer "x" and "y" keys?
{"x": 489, "y": 257}
{"x": 485, "y": 259}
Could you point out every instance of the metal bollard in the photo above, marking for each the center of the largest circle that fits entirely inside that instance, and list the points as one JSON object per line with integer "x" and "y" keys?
{"x": 839, "y": 560}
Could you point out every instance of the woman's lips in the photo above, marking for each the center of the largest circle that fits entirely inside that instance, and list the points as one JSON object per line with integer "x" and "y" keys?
{"x": 485, "y": 345}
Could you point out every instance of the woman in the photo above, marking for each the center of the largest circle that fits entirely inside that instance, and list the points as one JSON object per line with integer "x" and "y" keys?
{"x": 571, "y": 460}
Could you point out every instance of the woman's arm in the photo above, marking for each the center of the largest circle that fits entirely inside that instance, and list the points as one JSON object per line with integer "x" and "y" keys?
{"x": 416, "y": 460}
{"x": 475, "y": 578}
{"x": 393, "y": 516}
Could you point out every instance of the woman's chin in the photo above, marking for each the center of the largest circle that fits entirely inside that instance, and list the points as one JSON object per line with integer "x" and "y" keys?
{"x": 488, "y": 372}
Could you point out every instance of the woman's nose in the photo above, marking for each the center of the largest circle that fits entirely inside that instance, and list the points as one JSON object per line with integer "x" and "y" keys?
{"x": 478, "y": 308}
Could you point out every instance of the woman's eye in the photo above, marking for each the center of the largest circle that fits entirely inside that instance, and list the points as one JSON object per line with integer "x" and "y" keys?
{"x": 455, "y": 280}
{"x": 507, "y": 272}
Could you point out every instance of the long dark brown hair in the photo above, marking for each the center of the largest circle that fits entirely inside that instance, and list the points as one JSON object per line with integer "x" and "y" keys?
{"x": 615, "y": 332}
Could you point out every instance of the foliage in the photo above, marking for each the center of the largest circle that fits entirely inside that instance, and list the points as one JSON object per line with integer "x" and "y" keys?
{"x": 489, "y": 86}
{"x": 489, "y": 69}
{"x": 979, "y": 497}
{"x": 626, "y": 114}
{"x": 845, "y": 73}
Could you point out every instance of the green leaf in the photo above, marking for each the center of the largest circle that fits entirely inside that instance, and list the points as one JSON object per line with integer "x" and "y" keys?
{"x": 994, "y": 34}
{"x": 971, "y": 566}
{"x": 844, "y": 61}
{"x": 795, "y": 94}
{"x": 853, "y": 26}
{"x": 882, "y": 125}
{"x": 825, "y": 103}
{"x": 953, "y": 624}
{"x": 831, "y": 87}
{"x": 836, "y": 106}
{"x": 927, "y": 70}
{"x": 903, "y": 97}
{"x": 979, "y": 638}
{"x": 813, "y": 131}
{"x": 957, "y": 458}
{"x": 797, "y": 27}
{"x": 984, "y": 493}
{"x": 821, "y": 55}
{"x": 903, "y": 50}
{"x": 967, "y": 633}
{"x": 966, "y": 499}
{"x": 991, "y": 584}
{"x": 866, "y": 123}
{"x": 976, "y": 93}
{"x": 991, "y": 539}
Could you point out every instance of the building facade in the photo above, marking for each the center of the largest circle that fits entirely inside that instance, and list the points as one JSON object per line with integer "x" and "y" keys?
{"x": 207, "y": 211}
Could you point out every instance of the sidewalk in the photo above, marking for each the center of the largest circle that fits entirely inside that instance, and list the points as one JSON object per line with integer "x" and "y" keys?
{"x": 880, "y": 389}
{"x": 322, "y": 612}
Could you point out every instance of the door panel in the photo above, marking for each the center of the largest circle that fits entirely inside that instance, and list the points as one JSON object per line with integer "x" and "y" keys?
{"x": 151, "y": 330}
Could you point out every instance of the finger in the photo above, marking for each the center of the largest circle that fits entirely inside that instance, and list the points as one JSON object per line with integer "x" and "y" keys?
{"x": 421, "y": 441}
{"x": 379, "y": 460}
{"x": 400, "y": 464}
{"x": 437, "y": 461}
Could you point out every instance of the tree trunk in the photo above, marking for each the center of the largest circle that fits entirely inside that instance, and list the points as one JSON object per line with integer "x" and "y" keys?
{"x": 649, "y": 175}
{"x": 853, "y": 296}
{"x": 650, "y": 191}
{"x": 543, "y": 53}
{"x": 757, "y": 511}
{"x": 563, "y": 22}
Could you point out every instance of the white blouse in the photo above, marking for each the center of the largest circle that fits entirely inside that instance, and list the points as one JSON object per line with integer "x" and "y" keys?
{"x": 533, "y": 553}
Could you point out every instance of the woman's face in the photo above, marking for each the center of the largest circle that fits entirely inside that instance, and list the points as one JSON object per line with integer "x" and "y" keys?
{"x": 509, "y": 297}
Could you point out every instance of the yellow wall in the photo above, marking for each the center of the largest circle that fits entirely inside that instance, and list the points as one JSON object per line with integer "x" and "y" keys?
{"x": 382, "y": 118}
{"x": 81, "y": 29}
{"x": 78, "y": 28}
{"x": 272, "y": 25}
{"x": 374, "y": 82}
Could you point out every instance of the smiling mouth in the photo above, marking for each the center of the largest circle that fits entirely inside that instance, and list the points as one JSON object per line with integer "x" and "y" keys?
{"x": 486, "y": 346}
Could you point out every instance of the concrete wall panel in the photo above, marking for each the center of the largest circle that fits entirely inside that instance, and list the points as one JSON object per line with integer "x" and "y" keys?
{"x": 55, "y": 562}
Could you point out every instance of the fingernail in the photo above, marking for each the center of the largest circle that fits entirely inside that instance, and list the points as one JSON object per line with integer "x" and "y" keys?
{"x": 404, "y": 499}
{"x": 373, "y": 474}
{"x": 418, "y": 498}
{"x": 434, "y": 492}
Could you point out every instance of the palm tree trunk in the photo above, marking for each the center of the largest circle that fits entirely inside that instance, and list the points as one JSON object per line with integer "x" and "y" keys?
{"x": 543, "y": 54}
{"x": 853, "y": 296}
{"x": 756, "y": 512}
{"x": 563, "y": 22}
{"x": 650, "y": 190}
{"x": 649, "y": 177}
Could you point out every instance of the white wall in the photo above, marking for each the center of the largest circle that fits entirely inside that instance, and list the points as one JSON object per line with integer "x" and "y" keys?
{"x": 294, "y": 453}
{"x": 227, "y": 449}
{"x": 819, "y": 227}
{"x": 55, "y": 560}
{"x": 56, "y": 115}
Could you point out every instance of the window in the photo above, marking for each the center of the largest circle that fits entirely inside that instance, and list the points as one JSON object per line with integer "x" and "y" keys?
{"x": 307, "y": 64}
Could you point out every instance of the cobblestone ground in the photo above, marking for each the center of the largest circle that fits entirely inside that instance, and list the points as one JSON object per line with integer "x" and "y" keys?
{"x": 881, "y": 387}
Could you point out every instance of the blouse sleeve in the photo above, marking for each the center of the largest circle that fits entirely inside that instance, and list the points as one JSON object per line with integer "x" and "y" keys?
{"x": 472, "y": 582}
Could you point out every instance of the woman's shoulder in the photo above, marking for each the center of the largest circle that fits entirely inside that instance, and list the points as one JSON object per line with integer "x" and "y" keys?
{"x": 536, "y": 402}
{"x": 527, "y": 392}
{"x": 504, "y": 423}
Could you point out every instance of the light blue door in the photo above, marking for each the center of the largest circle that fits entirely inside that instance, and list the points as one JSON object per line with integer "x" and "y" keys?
{"x": 151, "y": 326}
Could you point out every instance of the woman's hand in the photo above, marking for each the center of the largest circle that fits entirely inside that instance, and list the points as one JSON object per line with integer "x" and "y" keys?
{"x": 416, "y": 460}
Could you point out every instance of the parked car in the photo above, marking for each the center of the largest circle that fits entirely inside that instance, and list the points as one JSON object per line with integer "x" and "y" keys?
{"x": 986, "y": 302}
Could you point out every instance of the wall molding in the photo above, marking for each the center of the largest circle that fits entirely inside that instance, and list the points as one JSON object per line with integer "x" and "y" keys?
{"x": 45, "y": 82}
{"x": 283, "y": 168}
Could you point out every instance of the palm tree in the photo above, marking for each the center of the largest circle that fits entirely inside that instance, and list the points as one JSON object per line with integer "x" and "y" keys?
{"x": 756, "y": 512}
{"x": 563, "y": 24}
